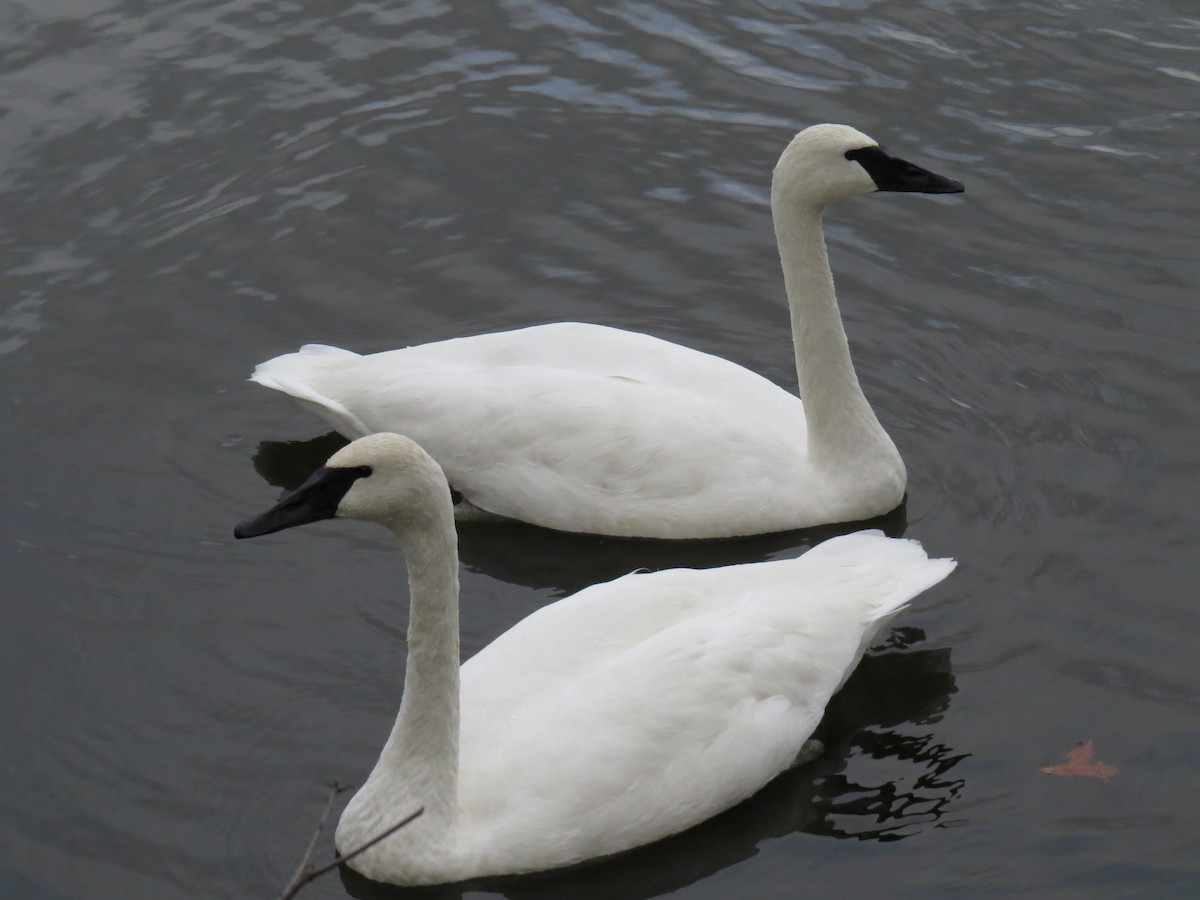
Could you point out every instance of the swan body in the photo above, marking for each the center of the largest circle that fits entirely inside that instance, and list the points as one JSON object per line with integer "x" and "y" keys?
{"x": 593, "y": 429}
{"x": 625, "y": 713}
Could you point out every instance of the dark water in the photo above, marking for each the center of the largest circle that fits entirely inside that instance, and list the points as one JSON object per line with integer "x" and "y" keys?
{"x": 190, "y": 187}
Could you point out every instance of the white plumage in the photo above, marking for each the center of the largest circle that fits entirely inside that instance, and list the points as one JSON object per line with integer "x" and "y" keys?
{"x": 593, "y": 429}
{"x": 627, "y": 712}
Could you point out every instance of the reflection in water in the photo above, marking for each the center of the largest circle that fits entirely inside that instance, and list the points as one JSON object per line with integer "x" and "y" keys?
{"x": 873, "y": 716}
{"x": 286, "y": 464}
{"x": 563, "y": 562}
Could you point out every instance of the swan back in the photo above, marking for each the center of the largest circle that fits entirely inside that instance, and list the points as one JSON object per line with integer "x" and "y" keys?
{"x": 655, "y": 701}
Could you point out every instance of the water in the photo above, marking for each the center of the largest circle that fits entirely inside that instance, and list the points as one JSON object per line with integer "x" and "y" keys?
{"x": 191, "y": 187}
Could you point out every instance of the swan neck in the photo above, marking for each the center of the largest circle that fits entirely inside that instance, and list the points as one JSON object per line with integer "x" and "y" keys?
{"x": 840, "y": 420}
{"x": 422, "y": 751}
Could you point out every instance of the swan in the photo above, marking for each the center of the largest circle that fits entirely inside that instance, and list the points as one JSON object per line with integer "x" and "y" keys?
{"x": 624, "y": 713}
{"x": 587, "y": 428}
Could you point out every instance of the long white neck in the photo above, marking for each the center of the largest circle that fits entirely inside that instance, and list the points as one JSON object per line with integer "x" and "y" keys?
{"x": 841, "y": 424}
{"x": 418, "y": 765}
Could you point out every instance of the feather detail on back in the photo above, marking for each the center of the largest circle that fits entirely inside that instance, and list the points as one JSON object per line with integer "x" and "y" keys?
{"x": 639, "y": 691}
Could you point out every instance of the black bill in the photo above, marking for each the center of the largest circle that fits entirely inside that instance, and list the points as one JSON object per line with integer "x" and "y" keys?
{"x": 316, "y": 499}
{"x": 891, "y": 173}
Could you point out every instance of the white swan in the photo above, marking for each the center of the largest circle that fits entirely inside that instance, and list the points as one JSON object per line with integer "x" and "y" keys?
{"x": 625, "y": 713}
{"x": 594, "y": 429}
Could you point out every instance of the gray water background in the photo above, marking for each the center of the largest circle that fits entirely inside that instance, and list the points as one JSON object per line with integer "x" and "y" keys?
{"x": 187, "y": 188}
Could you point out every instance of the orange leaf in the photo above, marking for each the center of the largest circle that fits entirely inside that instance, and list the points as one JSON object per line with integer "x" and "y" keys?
{"x": 1079, "y": 762}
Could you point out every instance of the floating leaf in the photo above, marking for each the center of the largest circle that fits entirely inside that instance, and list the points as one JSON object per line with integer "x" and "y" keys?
{"x": 1079, "y": 762}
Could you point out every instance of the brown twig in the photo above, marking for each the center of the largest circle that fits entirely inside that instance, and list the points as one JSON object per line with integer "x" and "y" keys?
{"x": 306, "y": 872}
{"x": 305, "y": 866}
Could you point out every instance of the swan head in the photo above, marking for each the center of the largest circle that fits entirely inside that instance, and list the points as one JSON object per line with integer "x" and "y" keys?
{"x": 384, "y": 478}
{"x": 826, "y": 163}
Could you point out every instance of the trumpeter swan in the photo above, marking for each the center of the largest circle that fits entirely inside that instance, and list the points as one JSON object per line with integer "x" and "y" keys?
{"x": 593, "y": 429}
{"x": 624, "y": 713}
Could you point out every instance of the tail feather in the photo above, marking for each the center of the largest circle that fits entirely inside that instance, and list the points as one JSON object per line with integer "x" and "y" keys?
{"x": 888, "y": 571}
{"x": 899, "y": 567}
{"x": 295, "y": 373}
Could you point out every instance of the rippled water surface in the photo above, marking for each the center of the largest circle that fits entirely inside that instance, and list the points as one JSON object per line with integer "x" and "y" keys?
{"x": 189, "y": 187}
